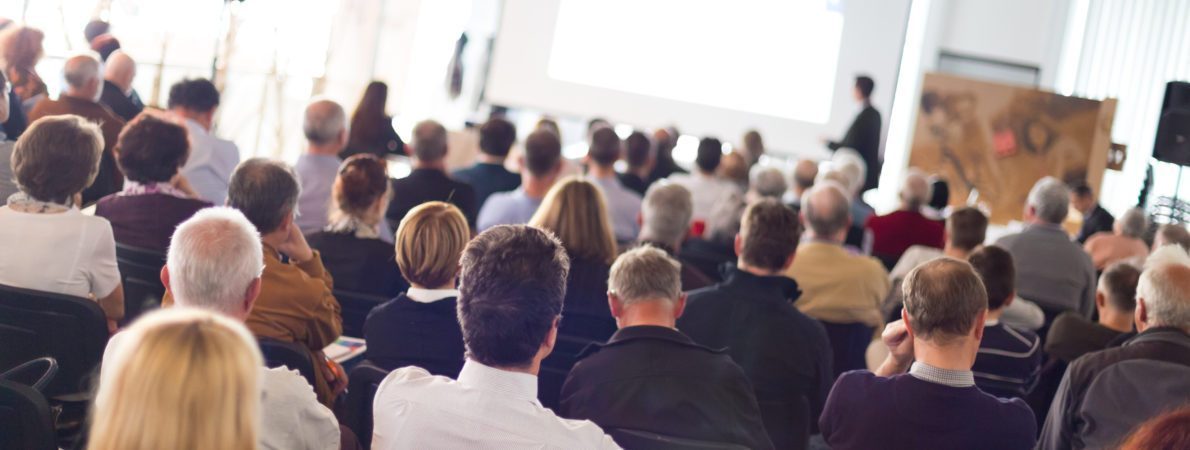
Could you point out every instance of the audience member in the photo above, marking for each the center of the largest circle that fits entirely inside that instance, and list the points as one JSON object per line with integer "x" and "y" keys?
{"x": 1009, "y": 359}
{"x": 753, "y": 147}
{"x": 1105, "y": 394}
{"x": 895, "y": 232}
{"x": 100, "y": 39}
{"x": 419, "y": 327}
{"x": 371, "y": 126}
{"x": 20, "y": 51}
{"x": 118, "y": 94}
{"x": 7, "y": 185}
{"x": 488, "y": 176}
{"x": 212, "y": 160}
{"x": 428, "y": 181}
{"x": 651, "y": 377}
{"x": 640, "y": 155}
{"x": 936, "y": 404}
{"x": 804, "y": 174}
{"x": 351, "y": 246}
{"x": 1172, "y": 233}
{"x": 765, "y": 182}
{"x": 512, "y": 278}
{"x": 49, "y": 245}
{"x": 542, "y": 164}
{"x": 623, "y": 205}
{"x": 734, "y": 168}
{"x": 1073, "y": 335}
{"x": 664, "y": 166}
{"x": 785, "y": 354}
{"x": 1125, "y": 243}
{"x": 864, "y": 134}
{"x": 1168, "y": 431}
{"x": 1095, "y": 218}
{"x": 155, "y": 199}
{"x": 1052, "y": 271}
{"x": 938, "y": 208}
{"x": 96, "y": 28}
{"x": 325, "y": 128}
{"x": 185, "y": 379}
{"x": 707, "y": 189}
{"x": 713, "y": 248}
{"x": 854, "y": 169}
{"x": 215, "y": 264}
{"x": 79, "y": 97}
{"x": 665, "y": 223}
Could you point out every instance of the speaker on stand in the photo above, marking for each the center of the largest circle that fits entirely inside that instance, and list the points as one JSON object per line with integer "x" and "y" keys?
{"x": 1172, "y": 144}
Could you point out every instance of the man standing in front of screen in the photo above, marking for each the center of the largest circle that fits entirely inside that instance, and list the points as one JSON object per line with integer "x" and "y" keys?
{"x": 864, "y": 133}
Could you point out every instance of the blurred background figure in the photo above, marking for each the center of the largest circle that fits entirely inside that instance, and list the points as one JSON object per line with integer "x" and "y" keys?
{"x": 371, "y": 127}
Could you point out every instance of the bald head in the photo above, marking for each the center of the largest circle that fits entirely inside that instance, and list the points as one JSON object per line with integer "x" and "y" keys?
{"x": 325, "y": 127}
{"x": 826, "y": 210}
{"x": 804, "y": 175}
{"x": 82, "y": 76}
{"x": 120, "y": 70}
{"x": 915, "y": 192}
{"x": 1163, "y": 293}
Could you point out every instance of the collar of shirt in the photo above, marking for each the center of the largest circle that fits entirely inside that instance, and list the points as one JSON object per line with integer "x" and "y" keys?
{"x": 991, "y": 322}
{"x": 518, "y": 385}
{"x": 946, "y": 377}
{"x": 134, "y": 188}
{"x": 196, "y": 128}
{"x": 430, "y": 295}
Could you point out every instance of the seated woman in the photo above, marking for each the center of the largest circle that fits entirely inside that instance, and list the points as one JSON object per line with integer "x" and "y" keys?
{"x": 49, "y": 245}
{"x": 420, "y": 327}
{"x": 575, "y": 211}
{"x": 212, "y": 399}
{"x": 351, "y": 247}
{"x": 156, "y": 198}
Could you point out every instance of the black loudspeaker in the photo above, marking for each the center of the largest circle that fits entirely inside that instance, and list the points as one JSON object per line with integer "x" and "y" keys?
{"x": 1173, "y": 129}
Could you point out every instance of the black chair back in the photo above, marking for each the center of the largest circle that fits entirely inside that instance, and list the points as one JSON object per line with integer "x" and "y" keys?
{"x": 361, "y": 390}
{"x": 71, "y": 330}
{"x": 140, "y": 270}
{"x": 849, "y": 345}
{"x": 25, "y": 421}
{"x": 36, "y": 374}
{"x": 355, "y": 307}
{"x": 288, "y": 354}
{"x": 644, "y": 440}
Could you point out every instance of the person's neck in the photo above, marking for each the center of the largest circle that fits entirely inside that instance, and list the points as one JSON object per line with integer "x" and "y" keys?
{"x": 201, "y": 119}
{"x": 956, "y": 355}
{"x": 323, "y": 149}
{"x": 490, "y": 159}
{"x": 994, "y": 315}
{"x": 837, "y": 239}
{"x": 449, "y": 285}
{"x": 533, "y": 368}
{"x": 760, "y": 272}
{"x": 955, "y": 252}
{"x": 81, "y": 96}
{"x": 1115, "y": 320}
{"x": 648, "y": 312}
{"x": 439, "y": 165}
{"x": 536, "y": 188}
{"x": 600, "y": 171}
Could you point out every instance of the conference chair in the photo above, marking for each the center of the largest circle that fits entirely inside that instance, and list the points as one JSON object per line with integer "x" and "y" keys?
{"x": 25, "y": 421}
{"x": 355, "y": 307}
{"x": 849, "y": 345}
{"x": 288, "y": 354}
{"x": 140, "y": 270}
{"x": 71, "y": 330}
{"x": 364, "y": 380}
{"x": 644, "y": 440}
{"x": 36, "y": 374}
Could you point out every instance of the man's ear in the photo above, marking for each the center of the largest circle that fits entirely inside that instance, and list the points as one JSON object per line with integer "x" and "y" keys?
{"x": 980, "y": 321}
{"x": 613, "y": 303}
{"x": 251, "y": 295}
{"x": 739, "y": 244}
{"x": 905, "y": 320}
{"x": 1142, "y": 315}
{"x": 680, "y": 306}
{"x": 165, "y": 279}
{"x": 1100, "y": 299}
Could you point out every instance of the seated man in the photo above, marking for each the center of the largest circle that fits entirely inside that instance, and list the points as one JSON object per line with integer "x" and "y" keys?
{"x": 1073, "y": 335}
{"x": 1106, "y": 394}
{"x": 665, "y": 222}
{"x": 1009, "y": 359}
{"x": 428, "y": 181}
{"x": 709, "y": 190}
{"x": 215, "y": 264}
{"x": 785, "y": 354}
{"x": 513, "y": 278}
{"x": 651, "y": 377}
{"x": 1172, "y": 234}
{"x": 1095, "y": 218}
{"x": 488, "y": 176}
{"x": 640, "y": 155}
{"x": 541, "y": 167}
{"x": 935, "y": 405}
{"x": 212, "y": 160}
{"x": 895, "y": 232}
{"x": 623, "y": 205}
{"x": 325, "y": 128}
{"x": 1125, "y": 243}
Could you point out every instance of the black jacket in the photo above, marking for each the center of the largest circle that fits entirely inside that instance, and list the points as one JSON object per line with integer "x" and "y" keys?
{"x": 585, "y": 312}
{"x": 864, "y": 137}
{"x": 403, "y": 332}
{"x": 1098, "y": 219}
{"x": 785, "y": 354}
{"x": 125, "y": 106}
{"x": 656, "y": 379}
{"x": 367, "y": 266}
{"x": 427, "y": 185}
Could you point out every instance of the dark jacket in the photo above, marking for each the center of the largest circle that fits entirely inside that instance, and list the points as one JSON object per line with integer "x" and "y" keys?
{"x": 109, "y": 180}
{"x": 146, "y": 221}
{"x": 707, "y": 257}
{"x": 1098, "y": 219}
{"x": 1071, "y": 336}
{"x": 585, "y": 312}
{"x": 656, "y": 379}
{"x": 636, "y": 184}
{"x": 864, "y": 137}
{"x": 387, "y": 142}
{"x": 125, "y": 106}
{"x": 785, "y": 354}
{"x": 427, "y": 185}
{"x": 403, "y": 332}
{"x": 366, "y": 266}
{"x": 487, "y": 179}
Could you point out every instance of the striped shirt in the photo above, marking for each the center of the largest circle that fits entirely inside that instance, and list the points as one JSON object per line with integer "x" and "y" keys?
{"x": 1008, "y": 360}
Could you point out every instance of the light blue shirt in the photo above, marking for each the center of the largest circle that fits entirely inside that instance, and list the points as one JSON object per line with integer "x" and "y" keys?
{"x": 211, "y": 162}
{"x": 507, "y": 208}
{"x": 623, "y": 206}
{"x": 8, "y": 185}
{"x": 317, "y": 174}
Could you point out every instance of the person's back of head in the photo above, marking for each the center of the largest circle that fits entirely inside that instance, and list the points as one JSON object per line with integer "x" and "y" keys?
{"x": 1133, "y": 223}
{"x": 182, "y": 378}
{"x": 645, "y": 274}
{"x": 429, "y": 141}
{"x": 83, "y": 75}
{"x": 665, "y": 214}
{"x": 1163, "y": 291}
{"x": 197, "y": 95}
{"x": 214, "y": 262}
{"x": 512, "y": 284}
{"x": 848, "y": 162}
{"x": 826, "y": 210}
{"x": 1048, "y": 201}
{"x": 915, "y": 192}
{"x": 595, "y": 124}
{"x": 709, "y": 155}
{"x": 769, "y": 234}
{"x": 998, "y": 273}
{"x": 496, "y": 137}
{"x": 361, "y": 189}
{"x": 430, "y": 240}
{"x": 21, "y": 47}
{"x": 1117, "y": 285}
{"x": 120, "y": 69}
{"x": 944, "y": 301}
{"x": 152, "y": 150}
{"x": 547, "y": 123}
{"x": 543, "y": 153}
{"x": 767, "y": 182}
{"x": 638, "y": 150}
{"x": 734, "y": 167}
{"x": 605, "y": 147}
{"x": 753, "y": 145}
{"x": 804, "y": 174}
{"x": 325, "y": 124}
{"x": 95, "y": 28}
{"x": 1172, "y": 234}
{"x": 1167, "y": 431}
{"x": 575, "y": 211}
{"x": 966, "y": 228}
{"x": 57, "y": 157}
{"x": 266, "y": 191}
{"x": 864, "y": 85}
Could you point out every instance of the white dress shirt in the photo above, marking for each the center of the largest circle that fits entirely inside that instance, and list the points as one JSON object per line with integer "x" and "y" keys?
{"x": 487, "y": 408}
{"x": 211, "y": 162}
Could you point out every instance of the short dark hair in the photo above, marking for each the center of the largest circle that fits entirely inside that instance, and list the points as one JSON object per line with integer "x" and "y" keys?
{"x": 710, "y": 153}
{"x": 197, "y": 94}
{"x": 997, "y": 271}
{"x": 543, "y": 152}
{"x": 1081, "y": 189}
{"x": 265, "y": 191}
{"x": 1118, "y": 284}
{"x": 152, "y": 150}
{"x": 866, "y": 85}
{"x": 511, "y": 287}
{"x": 770, "y": 233}
{"x": 943, "y": 297}
{"x": 939, "y": 194}
{"x": 95, "y": 28}
{"x": 637, "y": 149}
{"x": 604, "y": 149}
{"x": 967, "y": 228}
{"x": 496, "y": 136}
{"x": 596, "y": 123}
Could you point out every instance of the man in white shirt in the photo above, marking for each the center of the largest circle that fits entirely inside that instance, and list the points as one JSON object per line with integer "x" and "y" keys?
{"x": 212, "y": 160}
{"x": 214, "y": 263}
{"x": 623, "y": 205}
{"x": 513, "y": 278}
{"x": 325, "y": 127}
{"x": 709, "y": 191}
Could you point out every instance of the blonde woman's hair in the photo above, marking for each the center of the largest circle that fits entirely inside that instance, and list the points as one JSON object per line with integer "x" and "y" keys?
{"x": 180, "y": 378}
{"x": 575, "y": 211}
{"x": 430, "y": 241}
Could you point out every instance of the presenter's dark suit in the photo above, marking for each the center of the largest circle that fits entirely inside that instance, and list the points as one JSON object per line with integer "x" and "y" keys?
{"x": 427, "y": 185}
{"x": 864, "y": 137}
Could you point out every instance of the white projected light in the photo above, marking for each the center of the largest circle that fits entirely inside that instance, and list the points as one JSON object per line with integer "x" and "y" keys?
{"x": 769, "y": 57}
